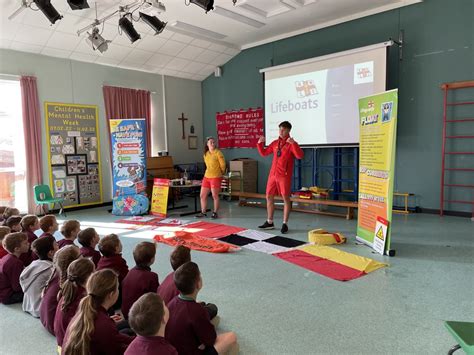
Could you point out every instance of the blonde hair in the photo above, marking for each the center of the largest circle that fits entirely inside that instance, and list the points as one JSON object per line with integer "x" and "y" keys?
{"x": 10, "y": 211}
{"x": 69, "y": 226}
{"x": 100, "y": 284}
{"x": 61, "y": 260}
{"x": 77, "y": 274}
{"x": 28, "y": 221}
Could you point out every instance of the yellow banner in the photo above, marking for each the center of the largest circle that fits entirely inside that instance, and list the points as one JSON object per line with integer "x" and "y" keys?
{"x": 159, "y": 198}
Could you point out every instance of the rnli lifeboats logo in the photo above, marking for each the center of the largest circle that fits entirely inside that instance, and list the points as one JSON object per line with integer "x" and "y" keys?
{"x": 305, "y": 88}
{"x": 363, "y": 73}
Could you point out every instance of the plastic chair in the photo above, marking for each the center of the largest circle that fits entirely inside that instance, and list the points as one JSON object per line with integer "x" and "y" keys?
{"x": 463, "y": 332}
{"x": 43, "y": 197}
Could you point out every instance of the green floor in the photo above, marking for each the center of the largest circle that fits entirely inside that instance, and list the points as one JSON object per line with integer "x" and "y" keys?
{"x": 278, "y": 308}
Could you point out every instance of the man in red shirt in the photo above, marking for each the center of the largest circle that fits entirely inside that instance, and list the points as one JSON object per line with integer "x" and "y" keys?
{"x": 284, "y": 150}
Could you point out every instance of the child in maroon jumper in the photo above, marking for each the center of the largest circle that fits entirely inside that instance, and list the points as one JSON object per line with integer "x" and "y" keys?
{"x": 69, "y": 230}
{"x": 3, "y": 232}
{"x": 48, "y": 225}
{"x": 72, "y": 292}
{"x": 167, "y": 290}
{"x": 61, "y": 261}
{"x": 92, "y": 331}
{"x": 140, "y": 279}
{"x": 13, "y": 222}
{"x": 189, "y": 328}
{"x": 89, "y": 239}
{"x": 111, "y": 249}
{"x": 29, "y": 224}
{"x": 148, "y": 317}
{"x": 11, "y": 267}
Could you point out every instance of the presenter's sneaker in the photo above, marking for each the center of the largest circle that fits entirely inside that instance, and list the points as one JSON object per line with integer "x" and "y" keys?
{"x": 284, "y": 228}
{"x": 214, "y": 215}
{"x": 201, "y": 215}
{"x": 267, "y": 225}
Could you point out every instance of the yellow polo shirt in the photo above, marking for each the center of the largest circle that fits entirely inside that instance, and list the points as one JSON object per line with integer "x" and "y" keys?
{"x": 215, "y": 164}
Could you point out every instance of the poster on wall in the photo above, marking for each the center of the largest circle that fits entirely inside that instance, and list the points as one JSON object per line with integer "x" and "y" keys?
{"x": 128, "y": 165}
{"x": 239, "y": 129}
{"x": 378, "y": 129}
{"x": 74, "y": 153}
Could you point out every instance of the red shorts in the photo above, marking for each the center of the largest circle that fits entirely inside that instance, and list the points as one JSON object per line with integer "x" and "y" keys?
{"x": 279, "y": 185}
{"x": 211, "y": 183}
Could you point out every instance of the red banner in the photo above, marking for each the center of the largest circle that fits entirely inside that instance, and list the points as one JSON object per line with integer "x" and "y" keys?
{"x": 239, "y": 129}
{"x": 195, "y": 242}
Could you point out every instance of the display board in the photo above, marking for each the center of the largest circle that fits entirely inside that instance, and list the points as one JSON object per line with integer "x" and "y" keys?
{"x": 74, "y": 153}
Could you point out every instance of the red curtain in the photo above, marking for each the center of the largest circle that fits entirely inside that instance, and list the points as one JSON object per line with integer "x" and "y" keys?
{"x": 129, "y": 103}
{"x": 32, "y": 130}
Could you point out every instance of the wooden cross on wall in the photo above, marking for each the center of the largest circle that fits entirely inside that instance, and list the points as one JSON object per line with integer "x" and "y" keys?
{"x": 182, "y": 119}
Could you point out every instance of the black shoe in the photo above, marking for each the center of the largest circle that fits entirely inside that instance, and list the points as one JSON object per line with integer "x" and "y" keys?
{"x": 214, "y": 215}
{"x": 201, "y": 215}
{"x": 267, "y": 225}
{"x": 284, "y": 228}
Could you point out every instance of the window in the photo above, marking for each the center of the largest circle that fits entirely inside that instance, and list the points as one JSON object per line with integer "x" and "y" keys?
{"x": 12, "y": 147}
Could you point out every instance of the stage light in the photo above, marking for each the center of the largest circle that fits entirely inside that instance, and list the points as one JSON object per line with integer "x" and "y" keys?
{"x": 127, "y": 26}
{"x": 78, "y": 4}
{"x": 48, "y": 10}
{"x": 96, "y": 41}
{"x": 153, "y": 21}
{"x": 207, "y": 5}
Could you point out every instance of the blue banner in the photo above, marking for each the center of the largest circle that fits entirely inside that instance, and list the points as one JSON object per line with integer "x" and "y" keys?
{"x": 128, "y": 165}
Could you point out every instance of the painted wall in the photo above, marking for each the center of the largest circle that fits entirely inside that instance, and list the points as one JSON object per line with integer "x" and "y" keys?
{"x": 63, "y": 80}
{"x": 438, "y": 48}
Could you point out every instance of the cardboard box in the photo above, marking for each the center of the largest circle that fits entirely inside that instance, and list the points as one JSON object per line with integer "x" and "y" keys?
{"x": 159, "y": 162}
{"x": 247, "y": 167}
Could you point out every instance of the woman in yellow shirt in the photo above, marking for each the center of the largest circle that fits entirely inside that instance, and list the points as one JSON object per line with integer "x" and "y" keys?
{"x": 215, "y": 168}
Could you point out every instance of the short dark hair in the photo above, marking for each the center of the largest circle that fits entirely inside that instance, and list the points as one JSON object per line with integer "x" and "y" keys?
{"x": 186, "y": 277}
{"x": 85, "y": 237}
{"x": 13, "y": 241}
{"x": 143, "y": 253}
{"x": 179, "y": 256}
{"x": 13, "y": 221}
{"x": 285, "y": 124}
{"x": 42, "y": 246}
{"x": 108, "y": 245}
{"x": 146, "y": 314}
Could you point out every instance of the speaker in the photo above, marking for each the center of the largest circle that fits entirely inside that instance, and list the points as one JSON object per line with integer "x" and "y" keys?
{"x": 218, "y": 72}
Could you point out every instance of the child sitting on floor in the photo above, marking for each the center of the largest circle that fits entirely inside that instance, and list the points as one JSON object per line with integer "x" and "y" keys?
{"x": 189, "y": 327}
{"x": 69, "y": 230}
{"x": 92, "y": 331}
{"x": 72, "y": 292}
{"x": 29, "y": 224}
{"x": 148, "y": 318}
{"x": 89, "y": 239}
{"x": 48, "y": 225}
{"x": 11, "y": 267}
{"x": 140, "y": 279}
{"x": 34, "y": 277}
{"x": 14, "y": 223}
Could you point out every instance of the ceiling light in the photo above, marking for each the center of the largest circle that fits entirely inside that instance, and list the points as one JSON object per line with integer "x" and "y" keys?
{"x": 197, "y": 30}
{"x": 48, "y": 10}
{"x": 96, "y": 41}
{"x": 238, "y": 17}
{"x": 207, "y": 5}
{"x": 127, "y": 26}
{"x": 153, "y": 21}
{"x": 78, "y": 4}
{"x": 152, "y": 7}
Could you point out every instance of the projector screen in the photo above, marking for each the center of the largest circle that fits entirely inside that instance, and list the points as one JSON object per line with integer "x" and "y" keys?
{"x": 319, "y": 96}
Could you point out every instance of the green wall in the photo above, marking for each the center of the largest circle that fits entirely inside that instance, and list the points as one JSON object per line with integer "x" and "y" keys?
{"x": 439, "y": 40}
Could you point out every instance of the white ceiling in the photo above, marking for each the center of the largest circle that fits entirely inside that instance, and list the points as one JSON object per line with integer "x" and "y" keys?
{"x": 176, "y": 51}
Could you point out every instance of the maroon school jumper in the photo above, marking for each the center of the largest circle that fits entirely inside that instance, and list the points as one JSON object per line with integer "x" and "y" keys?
{"x": 116, "y": 263}
{"x": 106, "y": 340}
{"x": 167, "y": 289}
{"x": 89, "y": 252}
{"x": 64, "y": 242}
{"x": 49, "y": 304}
{"x": 45, "y": 234}
{"x": 139, "y": 280}
{"x": 150, "y": 346}
{"x": 29, "y": 256}
{"x": 62, "y": 318}
{"x": 189, "y": 326}
{"x": 10, "y": 270}
{"x": 3, "y": 252}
